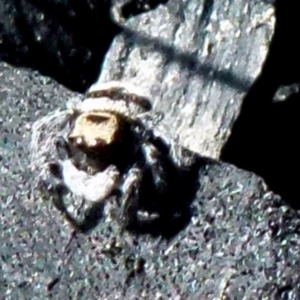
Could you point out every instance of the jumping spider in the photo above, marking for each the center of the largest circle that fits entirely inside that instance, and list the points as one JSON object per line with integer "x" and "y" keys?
{"x": 106, "y": 146}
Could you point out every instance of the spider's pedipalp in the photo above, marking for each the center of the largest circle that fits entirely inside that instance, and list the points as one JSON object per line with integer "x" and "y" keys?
{"x": 92, "y": 188}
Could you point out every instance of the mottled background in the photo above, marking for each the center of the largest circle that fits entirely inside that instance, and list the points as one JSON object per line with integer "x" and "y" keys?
{"x": 241, "y": 240}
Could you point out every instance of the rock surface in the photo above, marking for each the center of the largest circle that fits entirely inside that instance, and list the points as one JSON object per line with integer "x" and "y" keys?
{"x": 241, "y": 242}
{"x": 264, "y": 137}
{"x": 62, "y": 39}
{"x": 198, "y": 60}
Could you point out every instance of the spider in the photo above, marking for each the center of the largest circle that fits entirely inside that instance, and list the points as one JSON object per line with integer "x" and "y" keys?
{"x": 106, "y": 146}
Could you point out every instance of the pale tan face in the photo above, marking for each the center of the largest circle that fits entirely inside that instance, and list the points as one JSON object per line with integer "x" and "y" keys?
{"x": 96, "y": 129}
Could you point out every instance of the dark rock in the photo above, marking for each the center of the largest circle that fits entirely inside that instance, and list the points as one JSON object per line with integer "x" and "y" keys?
{"x": 66, "y": 40}
{"x": 263, "y": 138}
{"x": 240, "y": 242}
{"x": 63, "y": 39}
{"x": 197, "y": 59}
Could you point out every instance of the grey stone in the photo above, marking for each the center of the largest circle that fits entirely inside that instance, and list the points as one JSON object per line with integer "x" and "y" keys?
{"x": 241, "y": 241}
{"x": 197, "y": 59}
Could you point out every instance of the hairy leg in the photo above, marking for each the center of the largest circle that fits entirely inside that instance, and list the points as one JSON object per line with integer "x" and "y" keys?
{"x": 155, "y": 164}
{"x": 130, "y": 195}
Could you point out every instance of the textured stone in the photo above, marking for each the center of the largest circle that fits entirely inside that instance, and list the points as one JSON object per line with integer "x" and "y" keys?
{"x": 263, "y": 139}
{"x": 241, "y": 241}
{"x": 197, "y": 59}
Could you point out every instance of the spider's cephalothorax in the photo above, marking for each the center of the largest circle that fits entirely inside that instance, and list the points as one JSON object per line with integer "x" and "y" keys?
{"x": 101, "y": 147}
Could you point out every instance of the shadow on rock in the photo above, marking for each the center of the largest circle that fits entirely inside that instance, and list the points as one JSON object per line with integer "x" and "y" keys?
{"x": 174, "y": 210}
{"x": 189, "y": 61}
{"x": 264, "y": 137}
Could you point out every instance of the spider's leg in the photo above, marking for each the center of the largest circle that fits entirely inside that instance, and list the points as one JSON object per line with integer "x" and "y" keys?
{"x": 130, "y": 195}
{"x": 157, "y": 129}
{"x": 62, "y": 147}
{"x": 155, "y": 162}
{"x": 64, "y": 153}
